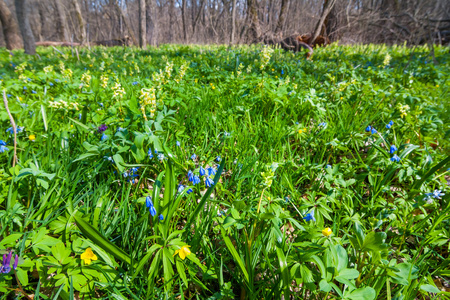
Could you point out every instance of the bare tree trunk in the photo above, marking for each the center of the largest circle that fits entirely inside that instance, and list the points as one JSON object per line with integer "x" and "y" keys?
{"x": 11, "y": 31}
{"x": 171, "y": 19}
{"x": 81, "y": 22}
{"x": 183, "y": 16}
{"x": 125, "y": 20}
{"x": 25, "y": 28}
{"x": 61, "y": 25}
{"x": 233, "y": 22}
{"x": 328, "y": 5}
{"x": 282, "y": 16}
{"x": 152, "y": 29}
{"x": 255, "y": 28}
{"x": 142, "y": 24}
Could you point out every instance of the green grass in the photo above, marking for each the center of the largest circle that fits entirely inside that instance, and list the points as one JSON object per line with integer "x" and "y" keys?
{"x": 291, "y": 136}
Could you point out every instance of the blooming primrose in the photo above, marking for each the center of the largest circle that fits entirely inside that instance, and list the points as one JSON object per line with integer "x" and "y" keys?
{"x": 327, "y": 231}
{"x": 183, "y": 252}
{"x": 88, "y": 256}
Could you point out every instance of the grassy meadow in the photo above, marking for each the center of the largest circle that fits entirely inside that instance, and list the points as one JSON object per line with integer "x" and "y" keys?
{"x": 214, "y": 172}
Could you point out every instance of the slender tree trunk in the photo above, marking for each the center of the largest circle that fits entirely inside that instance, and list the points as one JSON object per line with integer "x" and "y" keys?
{"x": 125, "y": 20}
{"x": 24, "y": 25}
{"x": 282, "y": 16}
{"x": 255, "y": 28}
{"x": 328, "y": 5}
{"x": 61, "y": 24}
{"x": 11, "y": 31}
{"x": 81, "y": 21}
{"x": 142, "y": 24}
{"x": 152, "y": 22}
{"x": 233, "y": 22}
{"x": 171, "y": 19}
{"x": 183, "y": 16}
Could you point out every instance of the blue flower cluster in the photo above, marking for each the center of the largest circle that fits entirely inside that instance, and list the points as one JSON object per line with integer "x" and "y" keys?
{"x": 202, "y": 172}
{"x": 5, "y": 266}
{"x": 3, "y": 147}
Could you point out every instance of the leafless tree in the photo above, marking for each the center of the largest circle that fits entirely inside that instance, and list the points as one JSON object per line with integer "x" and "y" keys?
{"x": 22, "y": 11}
{"x": 11, "y": 31}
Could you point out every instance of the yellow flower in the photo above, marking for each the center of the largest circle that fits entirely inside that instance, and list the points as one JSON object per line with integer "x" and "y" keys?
{"x": 300, "y": 131}
{"x": 88, "y": 255}
{"x": 32, "y": 137}
{"x": 183, "y": 252}
{"x": 327, "y": 231}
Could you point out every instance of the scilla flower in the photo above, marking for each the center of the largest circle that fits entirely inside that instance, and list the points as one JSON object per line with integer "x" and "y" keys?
{"x": 309, "y": 217}
{"x": 211, "y": 171}
{"x": 178, "y": 144}
{"x": 193, "y": 157}
{"x": 202, "y": 171}
{"x": 180, "y": 188}
{"x": 161, "y": 217}
{"x": 150, "y": 154}
{"x": 196, "y": 180}
{"x": 368, "y": 128}
{"x": 104, "y": 137}
{"x": 3, "y": 147}
{"x": 218, "y": 158}
{"x": 393, "y": 149}
{"x": 389, "y": 125}
{"x": 373, "y": 131}
{"x": 190, "y": 176}
{"x": 209, "y": 182}
{"x": 437, "y": 194}
{"x": 395, "y": 158}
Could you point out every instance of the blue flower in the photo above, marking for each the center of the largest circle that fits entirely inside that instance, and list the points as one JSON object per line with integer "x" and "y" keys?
{"x": 150, "y": 154}
{"x": 211, "y": 171}
{"x": 180, "y": 188}
{"x": 189, "y": 191}
{"x": 193, "y": 157}
{"x": 437, "y": 194}
{"x": 51, "y": 84}
{"x": 323, "y": 124}
{"x": 393, "y": 149}
{"x": 34, "y": 92}
{"x": 395, "y": 158}
{"x": 148, "y": 201}
{"x": 202, "y": 171}
{"x": 373, "y": 131}
{"x": 195, "y": 180}
{"x": 389, "y": 125}
{"x": 135, "y": 83}
{"x": 24, "y": 87}
{"x": 218, "y": 158}
{"x": 5, "y": 267}
{"x": 134, "y": 172}
{"x": 79, "y": 116}
{"x": 3, "y": 147}
{"x": 209, "y": 182}
{"x": 282, "y": 72}
{"x": 125, "y": 174}
{"x": 190, "y": 176}
{"x": 309, "y": 217}
{"x": 327, "y": 166}
{"x": 10, "y": 130}
{"x": 368, "y": 128}
{"x": 152, "y": 210}
{"x": 9, "y": 95}
{"x": 178, "y": 144}
{"x": 161, "y": 157}
{"x": 156, "y": 151}
{"x": 161, "y": 217}
{"x": 104, "y": 137}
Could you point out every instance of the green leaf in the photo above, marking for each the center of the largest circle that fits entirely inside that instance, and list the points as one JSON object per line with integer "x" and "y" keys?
{"x": 95, "y": 236}
{"x": 365, "y": 293}
{"x": 324, "y": 286}
{"x": 374, "y": 241}
{"x": 235, "y": 255}
{"x": 429, "y": 288}
{"x": 284, "y": 272}
{"x": 118, "y": 160}
{"x": 145, "y": 259}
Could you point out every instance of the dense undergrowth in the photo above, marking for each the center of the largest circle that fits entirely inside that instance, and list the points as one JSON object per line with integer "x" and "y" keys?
{"x": 210, "y": 172}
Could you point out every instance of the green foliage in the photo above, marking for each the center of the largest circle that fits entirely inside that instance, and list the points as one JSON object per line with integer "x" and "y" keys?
{"x": 289, "y": 193}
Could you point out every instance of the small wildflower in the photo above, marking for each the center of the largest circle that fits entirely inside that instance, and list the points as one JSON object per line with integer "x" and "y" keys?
{"x": 102, "y": 128}
{"x": 323, "y": 124}
{"x": 209, "y": 182}
{"x": 32, "y": 137}
{"x": 152, "y": 211}
{"x": 327, "y": 232}
{"x": 189, "y": 191}
{"x": 373, "y": 131}
{"x": 218, "y": 158}
{"x": 309, "y": 217}
{"x": 150, "y": 154}
{"x": 392, "y": 149}
{"x": 183, "y": 252}
{"x": 3, "y": 147}
{"x": 161, "y": 217}
{"x": 161, "y": 157}
{"x": 437, "y": 194}
{"x": 196, "y": 180}
{"x": 180, "y": 188}
{"x": 202, "y": 171}
{"x": 178, "y": 144}
{"x": 5, "y": 267}
{"x": 193, "y": 157}
{"x": 368, "y": 128}
{"x": 88, "y": 256}
{"x": 148, "y": 201}
{"x": 104, "y": 137}
{"x": 389, "y": 125}
{"x": 190, "y": 176}
{"x": 211, "y": 171}
{"x": 395, "y": 158}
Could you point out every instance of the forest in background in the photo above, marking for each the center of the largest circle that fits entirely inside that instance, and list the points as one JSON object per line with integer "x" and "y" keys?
{"x": 155, "y": 22}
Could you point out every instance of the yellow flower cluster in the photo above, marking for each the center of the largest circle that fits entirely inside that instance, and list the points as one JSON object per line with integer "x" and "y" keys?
{"x": 67, "y": 73}
{"x": 240, "y": 68}
{"x": 23, "y": 78}
{"x": 20, "y": 68}
{"x": 48, "y": 69}
{"x": 387, "y": 59}
{"x": 86, "y": 78}
{"x": 265, "y": 56}
{"x": 61, "y": 104}
{"x": 404, "y": 109}
{"x": 104, "y": 81}
{"x": 148, "y": 98}
{"x": 118, "y": 91}
{"x": 182, "y": 72}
